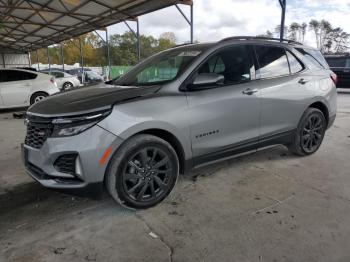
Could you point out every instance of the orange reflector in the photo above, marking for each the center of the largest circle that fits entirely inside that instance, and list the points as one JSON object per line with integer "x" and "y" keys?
{"x": 105, "y": 156}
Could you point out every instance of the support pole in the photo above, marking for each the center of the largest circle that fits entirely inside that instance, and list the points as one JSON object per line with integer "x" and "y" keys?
{"x": 62, "y": 57}
{"x": 137, "y": 35}
{"x": 283, "y": 4}
{"x": 29, "y": 59}
{"x": 37, "y": 59}
{"x": 138, "y": 40}
{"x": 192, "y": 24}
{"x": 82, "y": 62}
{"x": 108, "y": 55}
{"x": 189, "y": 21}
{"x": 3, "y": 60}
{"x": 48, "y": 59}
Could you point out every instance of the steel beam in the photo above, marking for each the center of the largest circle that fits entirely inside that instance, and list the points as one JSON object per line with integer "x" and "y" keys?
{"x": 62, "y": 56}
{"x": 82, "y": 62}
{"x": 3, "y": 60}
{"x": 48, "y": 59}
{"x": 37, "y": 59}
{"x": 283, "y": 4}
{"x": 188, "y": 20}
{"x": 108, "y": 54}
{"x": 137, "y": 35}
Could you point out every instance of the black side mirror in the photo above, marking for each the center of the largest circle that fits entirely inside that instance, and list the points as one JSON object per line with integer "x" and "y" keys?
{"x": 206, "y": 81}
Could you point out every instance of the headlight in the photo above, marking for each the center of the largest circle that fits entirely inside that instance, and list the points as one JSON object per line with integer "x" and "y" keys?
{"x": 71, "y": 126}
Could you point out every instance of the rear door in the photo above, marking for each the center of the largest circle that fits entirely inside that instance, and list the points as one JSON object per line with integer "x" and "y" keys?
{"x": 225, "y": 118}
{"x": 16, "y": 87}
{"x": 285, "y": 89}
{"x": 59, "y": 77}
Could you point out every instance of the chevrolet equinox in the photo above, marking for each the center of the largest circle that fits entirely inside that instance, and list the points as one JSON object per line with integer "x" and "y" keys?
{"x": 180, "y": 109}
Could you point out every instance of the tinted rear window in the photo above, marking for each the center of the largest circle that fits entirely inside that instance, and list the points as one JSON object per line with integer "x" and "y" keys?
{"x": 338, "y": 61}
{"x": 273, "y": 61}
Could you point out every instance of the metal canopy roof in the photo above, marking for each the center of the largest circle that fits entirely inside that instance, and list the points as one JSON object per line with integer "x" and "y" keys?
{"x": 33, "y": 24}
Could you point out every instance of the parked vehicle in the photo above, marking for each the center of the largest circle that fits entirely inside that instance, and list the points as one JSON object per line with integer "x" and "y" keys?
{"x": 87, "y": 77}
{"x": 340, "y": 65}
{"x": 64, "y": 80}
{"x": 181, "y": 109}
{"x": 19, "y": 88}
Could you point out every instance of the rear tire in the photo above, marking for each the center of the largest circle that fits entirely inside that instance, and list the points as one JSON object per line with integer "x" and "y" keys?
{"x": 310, "y": 133}
{"x": 67, "y": 86}
{"x": 143, "y": 172}
{"x": 36, "y": 97}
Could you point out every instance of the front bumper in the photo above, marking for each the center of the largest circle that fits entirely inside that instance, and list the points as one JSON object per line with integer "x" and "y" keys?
{"x": 89, "y": 146}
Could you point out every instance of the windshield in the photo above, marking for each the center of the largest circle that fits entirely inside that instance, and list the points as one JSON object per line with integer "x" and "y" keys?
{"x": 161, "y": 68}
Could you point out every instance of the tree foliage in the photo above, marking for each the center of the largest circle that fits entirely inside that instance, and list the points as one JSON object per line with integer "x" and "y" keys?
{"x": 328, "y": 39}
{"x": 122, "y": 49}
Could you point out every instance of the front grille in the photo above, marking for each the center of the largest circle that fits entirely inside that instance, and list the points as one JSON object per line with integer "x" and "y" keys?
{"x": 66, "y": 163}
{"x": 38, "y": 130}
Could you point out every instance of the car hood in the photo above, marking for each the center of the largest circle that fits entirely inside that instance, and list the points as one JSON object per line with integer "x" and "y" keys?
{"x": 89, "y": 99}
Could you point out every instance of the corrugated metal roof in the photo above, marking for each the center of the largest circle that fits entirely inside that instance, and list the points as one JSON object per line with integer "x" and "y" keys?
{"x": 32, "y": 24}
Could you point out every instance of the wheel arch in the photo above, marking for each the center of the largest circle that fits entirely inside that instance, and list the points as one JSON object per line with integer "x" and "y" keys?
{"x": 172, "y": 140}
{"x": 323, "y": 108}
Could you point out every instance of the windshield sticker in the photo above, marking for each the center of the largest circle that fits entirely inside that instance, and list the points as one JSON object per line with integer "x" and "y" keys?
{"x": 190, "y": 53}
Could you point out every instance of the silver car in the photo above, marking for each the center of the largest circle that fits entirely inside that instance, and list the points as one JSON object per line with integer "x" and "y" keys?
{"x": 180, "y": 109}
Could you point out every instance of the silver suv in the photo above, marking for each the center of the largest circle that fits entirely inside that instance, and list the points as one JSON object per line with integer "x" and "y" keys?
{"x": 180, "y": 109}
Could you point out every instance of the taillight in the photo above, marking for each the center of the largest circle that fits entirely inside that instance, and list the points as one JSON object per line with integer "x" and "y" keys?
{"x": 334, "y": 78}
{"x": 52, "y": 80}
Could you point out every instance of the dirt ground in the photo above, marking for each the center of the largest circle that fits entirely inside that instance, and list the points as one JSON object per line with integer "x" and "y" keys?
{"x": 270, "y": 206}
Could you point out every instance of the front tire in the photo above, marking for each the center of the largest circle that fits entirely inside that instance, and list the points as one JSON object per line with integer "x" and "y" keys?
{"x": 143, "y": 172}
{"x": 310, "y": 133}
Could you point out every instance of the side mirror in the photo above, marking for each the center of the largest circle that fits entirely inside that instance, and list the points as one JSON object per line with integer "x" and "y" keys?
{"x": 206, "y": 81}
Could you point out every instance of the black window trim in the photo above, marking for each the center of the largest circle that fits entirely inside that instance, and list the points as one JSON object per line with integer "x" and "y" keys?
{"x": 302, "y": 64}
{"x": 190, "y": 78}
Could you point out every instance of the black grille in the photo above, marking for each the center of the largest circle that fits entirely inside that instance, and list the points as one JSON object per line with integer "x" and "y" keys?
{"x": 38, "y": 131}
{"x": 66, "y": 164}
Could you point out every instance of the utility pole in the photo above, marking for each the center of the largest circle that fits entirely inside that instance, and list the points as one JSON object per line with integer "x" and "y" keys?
{"x": 283, "y": 4}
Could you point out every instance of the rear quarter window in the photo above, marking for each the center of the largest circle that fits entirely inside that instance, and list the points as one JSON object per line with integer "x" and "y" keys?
{"x": 313, "y": 58}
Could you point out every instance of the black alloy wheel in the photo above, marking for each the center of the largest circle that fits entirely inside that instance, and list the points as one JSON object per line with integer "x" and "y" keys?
{"x": 312, "y": 133}
{"x": 142, "y": 172}
{"x": 147, "y": 175}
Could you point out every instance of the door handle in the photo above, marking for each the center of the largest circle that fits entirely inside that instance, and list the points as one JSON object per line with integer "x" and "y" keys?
{"x": 302, "y": 81}
{"x": 249, "y": 91}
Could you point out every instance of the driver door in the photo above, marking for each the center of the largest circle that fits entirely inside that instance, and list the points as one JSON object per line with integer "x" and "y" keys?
{"x": 225, "y": 118}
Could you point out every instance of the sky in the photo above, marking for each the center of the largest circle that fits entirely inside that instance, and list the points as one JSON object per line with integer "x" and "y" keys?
{"x": 217, "y": 19}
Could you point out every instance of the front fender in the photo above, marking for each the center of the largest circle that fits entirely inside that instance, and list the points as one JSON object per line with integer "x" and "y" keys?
{"x": 125, "y": 126}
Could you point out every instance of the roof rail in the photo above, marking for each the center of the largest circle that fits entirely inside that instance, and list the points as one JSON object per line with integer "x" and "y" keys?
{"x": 259, "y": 38}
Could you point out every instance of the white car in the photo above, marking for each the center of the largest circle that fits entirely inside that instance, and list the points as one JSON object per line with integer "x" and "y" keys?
{"x": 19, "y": 87}
{"x": 64, "y": 80}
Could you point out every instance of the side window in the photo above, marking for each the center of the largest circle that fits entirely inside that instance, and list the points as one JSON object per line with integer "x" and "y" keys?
{"x": 294, "y": 64}
{"x": 57, "y": 74}
{"x": 11, "y": 75}
{"x": 272, "y": 61}
{"x": 313, "y": 58}
{"x": 234, "y": 63}
{"x": 26, "y": 75}
{"x": 14, "y": 75}
{"x": 347, "y": 65}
